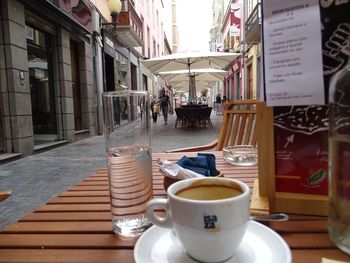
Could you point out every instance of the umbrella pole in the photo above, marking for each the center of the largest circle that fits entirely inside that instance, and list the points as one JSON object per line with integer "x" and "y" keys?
{"x": 192, "y": 90}
{"x": 191, "y": 85}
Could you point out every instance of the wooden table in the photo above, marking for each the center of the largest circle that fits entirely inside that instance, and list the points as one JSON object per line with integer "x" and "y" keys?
{"x": 76, "y": 226}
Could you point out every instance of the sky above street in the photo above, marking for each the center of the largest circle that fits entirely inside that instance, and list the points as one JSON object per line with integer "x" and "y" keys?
{"x": 194, "y": 20}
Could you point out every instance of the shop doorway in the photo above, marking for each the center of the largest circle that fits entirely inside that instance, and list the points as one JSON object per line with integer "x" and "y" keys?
{"x": 250, "y": 81}
{"x": 133, "y": 76}
{"x": 145, "y": 82}
{"x": 109, "y": 69}
{"x": 238, "y": 85}
{"x": 39, "y": 48}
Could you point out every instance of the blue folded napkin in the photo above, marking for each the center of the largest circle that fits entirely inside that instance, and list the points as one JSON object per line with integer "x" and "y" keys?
{"x": 203, "y": 164}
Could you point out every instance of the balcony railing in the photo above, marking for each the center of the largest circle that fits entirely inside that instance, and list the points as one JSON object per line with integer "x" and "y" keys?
{"x": 252, "y": 25}
{"x": 130, "y": 26}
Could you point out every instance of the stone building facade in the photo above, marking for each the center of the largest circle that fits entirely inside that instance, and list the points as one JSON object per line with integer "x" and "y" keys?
{"x": 46, "y": 76}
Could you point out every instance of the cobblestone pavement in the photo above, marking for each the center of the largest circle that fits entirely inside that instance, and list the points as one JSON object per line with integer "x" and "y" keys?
{"x": 36, "y": 179}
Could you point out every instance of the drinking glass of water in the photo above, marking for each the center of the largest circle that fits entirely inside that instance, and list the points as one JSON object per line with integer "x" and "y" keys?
{"x": 128, "y": 149}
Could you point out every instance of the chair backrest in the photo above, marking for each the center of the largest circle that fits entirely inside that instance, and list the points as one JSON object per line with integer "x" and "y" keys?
{"x": 239, "y": 124}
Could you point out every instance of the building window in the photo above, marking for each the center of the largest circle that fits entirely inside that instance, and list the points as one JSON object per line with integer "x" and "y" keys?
{"x": 249, "y": 7}
{"x": 122, "y": 68}
{"x": 40, "y": 64}
{"x": 148, "y": 43}
{"x": 153, "y": 16}
{"x": 143, "y": 34}
{"x": 250, "y": 81}
{"x": 154, "y": 48}
{"x": 238, "y": 85}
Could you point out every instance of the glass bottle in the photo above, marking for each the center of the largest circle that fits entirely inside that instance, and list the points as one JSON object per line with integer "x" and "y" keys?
{"x": 339, "y": 158}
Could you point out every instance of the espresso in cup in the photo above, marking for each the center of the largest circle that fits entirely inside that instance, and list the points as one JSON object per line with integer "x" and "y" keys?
{"x": 208, "y": 215}
{"x": 209, "y": 192}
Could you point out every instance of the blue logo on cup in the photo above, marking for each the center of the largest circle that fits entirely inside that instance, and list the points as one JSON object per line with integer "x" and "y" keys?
{"x": 209, "y": 221}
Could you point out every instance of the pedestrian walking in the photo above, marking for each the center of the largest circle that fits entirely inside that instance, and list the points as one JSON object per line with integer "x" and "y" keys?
{"x": 223, "y": 101}
{"x": 154, "y": 108}
{"x": 204, "y": 99}
{"x": 165, "y": 105}
{"x": 218, "y": 104}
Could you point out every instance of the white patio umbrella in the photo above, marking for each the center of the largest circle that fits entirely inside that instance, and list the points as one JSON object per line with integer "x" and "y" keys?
{"x": 190, "y": 61}
{"x": 183, "y": 85}
{"x": 196, "y": 78}
{"x": 208, "y": 74}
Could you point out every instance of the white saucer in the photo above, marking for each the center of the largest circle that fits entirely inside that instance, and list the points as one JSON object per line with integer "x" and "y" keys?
{"x": 259, "y": 245}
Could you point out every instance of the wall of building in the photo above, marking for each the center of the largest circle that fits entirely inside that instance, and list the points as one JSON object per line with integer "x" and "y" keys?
{"x": 252, "y": 55}
{"x": 156, "y": 19}
{"x": 152, "y": 12}
{"x": 16, "y": 91}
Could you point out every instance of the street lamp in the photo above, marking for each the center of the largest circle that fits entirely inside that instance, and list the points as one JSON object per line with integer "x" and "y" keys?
{"x": 114, "y": 7}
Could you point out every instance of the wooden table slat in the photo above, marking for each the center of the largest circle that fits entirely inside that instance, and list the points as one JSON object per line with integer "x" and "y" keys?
{"x": 67, "y": 216}
{"x": 85, "y": 193}
{"x": 66, "y": 255}
{"x": 315, "y": 255}
{"x": 307, "y": 240}
{"x": 74, "y": 207}
{"x": 59, "y": 227}
{"x": 62, "y": 241}
{"x": 81, "y": 200}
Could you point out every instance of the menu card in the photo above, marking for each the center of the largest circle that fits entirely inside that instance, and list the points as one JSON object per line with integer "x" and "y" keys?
{"x": 292, "y": 52}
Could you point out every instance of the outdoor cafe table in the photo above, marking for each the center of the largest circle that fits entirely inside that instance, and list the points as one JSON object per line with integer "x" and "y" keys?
{"x": 76, "y": 225}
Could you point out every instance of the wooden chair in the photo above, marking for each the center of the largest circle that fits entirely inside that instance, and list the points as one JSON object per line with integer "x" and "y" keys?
{"x": 5, "y": 194}
{"x": 238, "y": 127}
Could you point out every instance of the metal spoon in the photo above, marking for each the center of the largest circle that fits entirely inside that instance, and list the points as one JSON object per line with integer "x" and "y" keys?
{"x": 272, "y": 217}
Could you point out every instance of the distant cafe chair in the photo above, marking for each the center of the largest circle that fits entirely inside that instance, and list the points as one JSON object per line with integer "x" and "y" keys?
{"x": 180, "y": 117}
{"x": 193, "y": 116}
{"x": 238, "y": 127}
{"x": 205, "y": 117}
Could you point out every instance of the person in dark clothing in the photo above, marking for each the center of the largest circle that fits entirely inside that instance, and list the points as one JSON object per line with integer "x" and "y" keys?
{"x": 164, "y": 105}
{"x": 218, "y": 104}
{"x": 218, "y": 99}
{"x": 224, "y": 99}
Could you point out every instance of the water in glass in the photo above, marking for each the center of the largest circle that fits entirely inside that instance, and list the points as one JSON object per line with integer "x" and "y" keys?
{"x": 130, "y": 188}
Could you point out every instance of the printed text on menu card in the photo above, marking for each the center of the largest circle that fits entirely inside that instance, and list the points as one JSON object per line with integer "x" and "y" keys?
{"x": 292, "y": 52}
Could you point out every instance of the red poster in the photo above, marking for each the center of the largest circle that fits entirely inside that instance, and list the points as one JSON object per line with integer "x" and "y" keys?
{"x": 301, "y": 151}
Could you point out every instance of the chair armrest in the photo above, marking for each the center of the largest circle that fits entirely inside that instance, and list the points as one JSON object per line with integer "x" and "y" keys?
{"x": 4, "y": 195}
{"x": 210, "y": 146}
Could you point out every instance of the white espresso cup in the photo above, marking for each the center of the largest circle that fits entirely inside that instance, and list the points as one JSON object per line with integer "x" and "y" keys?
{"x": 209, "y": 216}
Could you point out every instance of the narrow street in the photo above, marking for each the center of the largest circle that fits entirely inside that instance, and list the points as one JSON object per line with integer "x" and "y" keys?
{"x": 37, "y": 178}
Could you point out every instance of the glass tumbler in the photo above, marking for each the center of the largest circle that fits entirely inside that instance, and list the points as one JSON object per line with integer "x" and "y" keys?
{"x": 128, "y": 149}
{"x": 339, "y": 158}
